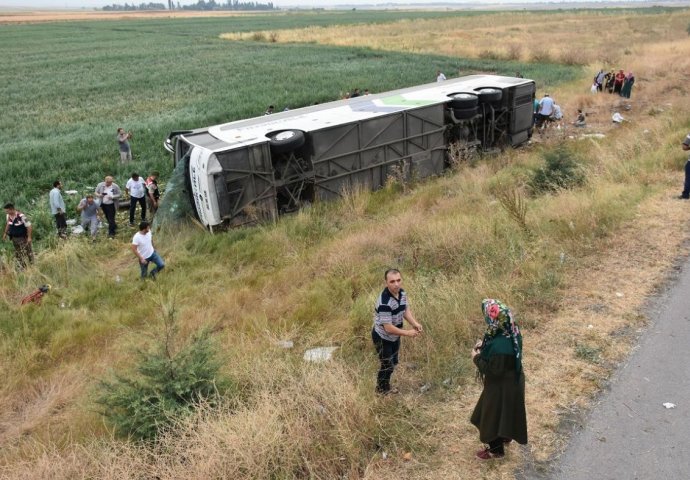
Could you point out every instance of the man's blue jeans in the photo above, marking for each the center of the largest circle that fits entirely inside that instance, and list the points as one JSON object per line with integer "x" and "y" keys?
{"x": 155, "y": 258}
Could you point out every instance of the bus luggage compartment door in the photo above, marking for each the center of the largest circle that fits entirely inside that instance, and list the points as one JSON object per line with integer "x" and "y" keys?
{"x": 246, "y": 187}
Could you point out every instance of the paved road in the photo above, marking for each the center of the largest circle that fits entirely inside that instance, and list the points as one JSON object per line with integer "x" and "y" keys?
{"x": 629, "y": 434}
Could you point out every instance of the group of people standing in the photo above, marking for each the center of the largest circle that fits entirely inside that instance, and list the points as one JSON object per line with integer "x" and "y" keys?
{"x": 500, "y": 414}
{"x": 614, "y": 82}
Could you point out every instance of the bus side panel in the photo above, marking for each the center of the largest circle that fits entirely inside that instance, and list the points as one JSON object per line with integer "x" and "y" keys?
{"x": 426, "y": 144}
{"x": 245, "y": 188}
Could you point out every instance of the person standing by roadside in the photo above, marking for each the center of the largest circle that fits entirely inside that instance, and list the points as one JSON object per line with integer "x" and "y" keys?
{"x": 57, "y": 209}
{"x": 500, "y": 411}
{"x": 123, "y": 142}
{"x": 136, "y": 187}
{"x": 391, "y": 308}
{"x": 89, "y": 214}
{"x": 440, "y": 76}
{"x": 152, "y": 192}
{"x": 686, "y": 187}
{"x": 545, "y": 110}
{"x": 109, "y": 193}
{"x": 19, "y": 229}
{"x": 142, "y": 246}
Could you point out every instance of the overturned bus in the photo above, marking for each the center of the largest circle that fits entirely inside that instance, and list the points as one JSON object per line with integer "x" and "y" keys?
{"x": 252, "y": 170}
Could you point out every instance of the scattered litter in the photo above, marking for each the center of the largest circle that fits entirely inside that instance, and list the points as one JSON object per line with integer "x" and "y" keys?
{"x": 36, "y": 296}
{"x": 407, "y": 457}
{"x": 447, "y": 381}
{"x": 627, "y": 108}
{"x": 646, "y": 379}
{"x": 77, "y": 230}
{"x": 62, "y": 305}
{"x": 384, "y": 455}
{"x": 590, "y": 326}
{"x": 669, "y": 405}
{"x": 118, "y": 279}
{"x": 619, "y": 294}
{"x": 562, "y": 257}
{"x": 285, "y": 343}
{"x": 645, "y": 131}
{"x": 424, "y": 388}
{"x": 71, "y": 221}
{"x": 617, "y": 118}
{"x": 71, "y": 192}
{"x": 319, "y": 354}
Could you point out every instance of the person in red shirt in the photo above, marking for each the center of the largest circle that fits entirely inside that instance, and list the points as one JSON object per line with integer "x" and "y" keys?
{"x": 618, "y": 82}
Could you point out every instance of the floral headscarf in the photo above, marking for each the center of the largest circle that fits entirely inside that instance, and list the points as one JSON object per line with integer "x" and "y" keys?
{"x": 500, "y": 321}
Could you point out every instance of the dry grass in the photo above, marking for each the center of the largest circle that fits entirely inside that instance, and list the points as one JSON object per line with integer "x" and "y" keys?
{"x": 574, "y": 38}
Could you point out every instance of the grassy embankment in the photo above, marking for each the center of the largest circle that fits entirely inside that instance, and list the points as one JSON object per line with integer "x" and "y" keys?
{"x": 312, "y": 278}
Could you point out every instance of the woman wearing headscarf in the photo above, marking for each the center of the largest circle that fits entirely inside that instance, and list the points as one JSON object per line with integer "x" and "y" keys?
{"x": 627, "y": 85}
{"x": 500, "y": 412}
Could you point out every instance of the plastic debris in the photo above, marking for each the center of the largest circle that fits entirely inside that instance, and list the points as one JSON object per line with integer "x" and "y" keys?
{"x": 669, "y": 405}
{"x": 71, "y": 221}
{"x": 319, "y": 354}
{"x": 285, "y": 343}
{"x": 424, "y": 388}
{"x": 407, "y": 457}
{"x": 590, "y": 326}
{"x": 617, "y": 118}
{"x": 71, "y": 192}
{"x": 619, "y": 294}
{"x": 384, "y": 455}
{"x": 77, "y": 230}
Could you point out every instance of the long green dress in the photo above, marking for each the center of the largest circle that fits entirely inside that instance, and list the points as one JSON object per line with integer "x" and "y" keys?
{"x": 500, "y": 411}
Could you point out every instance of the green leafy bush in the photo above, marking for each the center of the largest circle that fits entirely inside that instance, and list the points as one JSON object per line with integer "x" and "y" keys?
{"x": 560, "y": 171}
{"x": 164, "y": 386}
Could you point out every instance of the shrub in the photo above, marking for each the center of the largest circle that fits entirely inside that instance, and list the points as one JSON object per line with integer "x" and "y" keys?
{"x": 561, "y": 170}
{"x": 165, "y": 386}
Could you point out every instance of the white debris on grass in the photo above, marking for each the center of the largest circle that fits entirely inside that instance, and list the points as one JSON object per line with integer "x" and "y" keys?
{"x": 319, "y": 354}
{"x": 71, "y": 192}
{"x": 77, "y": 230}
{"x": 285, "y": 343}
{"x": 669, "y": 405}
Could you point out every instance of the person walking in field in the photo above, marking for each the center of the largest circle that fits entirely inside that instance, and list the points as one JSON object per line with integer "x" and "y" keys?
{"x": 90, "y": 217}
{"x": 686, "y": 186}
{"x": 500, "y": 411}
{"x": 390, "y": 310}
{"x": 152, "y": 192}
{"x": 109, "y": 193}
{"x": 123, "y": 142}
{"x": 57, "y": 209}
{"x": 599, "y": 80}
{"x": 136, "y": 187}
{"x": 19, "y": 229}
{"x": 142, "y": 246}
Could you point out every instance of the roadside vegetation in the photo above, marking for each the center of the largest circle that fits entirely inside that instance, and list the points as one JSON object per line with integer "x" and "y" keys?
{"x": 557, "y": 234}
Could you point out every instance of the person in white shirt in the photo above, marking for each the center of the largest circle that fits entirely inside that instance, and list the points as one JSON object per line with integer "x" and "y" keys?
{"x": 142, "y": 246}
{"x": 440, "y": 76}
{"x": 545, "y": 109}
{"x": 57, "y": 209}
{"x": 136, "y": 187}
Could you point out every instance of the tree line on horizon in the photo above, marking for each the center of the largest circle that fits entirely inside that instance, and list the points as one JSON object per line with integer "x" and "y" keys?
{"x": 199, "y": 5}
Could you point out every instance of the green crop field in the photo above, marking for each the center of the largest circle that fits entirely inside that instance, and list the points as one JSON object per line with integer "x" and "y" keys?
{"x": 67, "y": 87}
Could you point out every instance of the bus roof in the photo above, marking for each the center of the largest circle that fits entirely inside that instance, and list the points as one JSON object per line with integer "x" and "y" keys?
{"x": 253, "y": 130}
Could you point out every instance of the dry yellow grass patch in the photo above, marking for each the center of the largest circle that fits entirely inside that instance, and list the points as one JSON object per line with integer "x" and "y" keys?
{"x": 580, "y": 38}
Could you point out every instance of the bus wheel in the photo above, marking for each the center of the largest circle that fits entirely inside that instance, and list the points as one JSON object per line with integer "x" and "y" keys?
{"x": 463, "y": 100}
{"x": 465, "y": 113}
{"x": 489, "y": 95}
{"x": 285, "y": 140}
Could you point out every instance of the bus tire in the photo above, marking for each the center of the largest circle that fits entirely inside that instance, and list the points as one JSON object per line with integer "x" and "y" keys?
{"x": 285, "y": 140}
{"x": 463, "y": 100}
{"x": 465, "y": 113}
{"x": 490, "y": 95}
